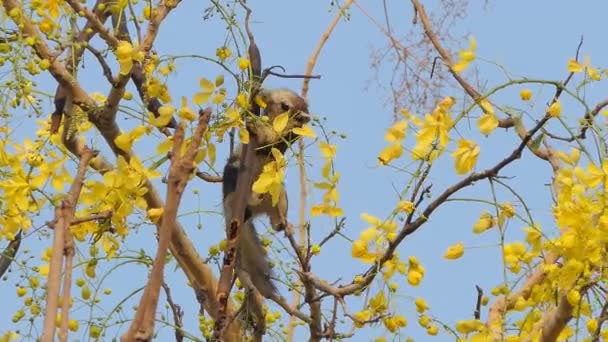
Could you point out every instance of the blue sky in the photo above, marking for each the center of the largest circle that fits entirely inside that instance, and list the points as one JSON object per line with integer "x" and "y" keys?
{"x": 529, "y": 38}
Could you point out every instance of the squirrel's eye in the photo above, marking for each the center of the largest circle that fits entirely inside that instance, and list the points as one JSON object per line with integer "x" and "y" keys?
{"x": 284, "y": 106}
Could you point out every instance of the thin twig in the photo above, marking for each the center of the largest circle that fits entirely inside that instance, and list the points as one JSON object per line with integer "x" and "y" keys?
{"x": 178, "y": 314}
{"x": 107, "y": 72}
{"x": 477, "y": 312}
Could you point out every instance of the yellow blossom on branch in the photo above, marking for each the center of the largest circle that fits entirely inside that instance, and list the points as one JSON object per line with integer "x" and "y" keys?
{"x": 378, "y": 304}
{"x": 488, "y": 121}
{"x": 394, "y": 323}
{"x": 415, "y": 271}
{"x": 395, "y": 135}
{"x": 390, "y": 153}
{"x": 223, "y": 53}
{"x": 186, "y": 112}
{"x": 155, "y": 213}
{"x": 469, "y": 326}
{"x": 304, "y": 131}
{"x": 465, "y": 56}
{"x": 454, "y": 251}
{"x": 572, "y": 158}
{"x": 555, "y": 109}
{"x": 272, "y": 176}
{"x": 330, "y": 198}
{"x": 125, "y": 140}
{"x": 525, "y": 94}
{"x": 592, "y": 72}
{"x": 362, "y": 317}
{"x": 485, "y": 222}
{"x": 243, "y": 63}
{"x": 396, "y": 132}
{"x": 164, "y": 117}
{"x": 465, "y": 156}
{"x": 421, "y": 305}
{"x": 574, "y": 66}
{"x": 126, "y": 54}
{"x": 434, "y": 133}
{"x": 406, "y": 206}
{"x": 393, "y": 265}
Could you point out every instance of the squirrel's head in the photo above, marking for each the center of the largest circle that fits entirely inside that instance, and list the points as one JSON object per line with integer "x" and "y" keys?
{"x": 281, "y": 100}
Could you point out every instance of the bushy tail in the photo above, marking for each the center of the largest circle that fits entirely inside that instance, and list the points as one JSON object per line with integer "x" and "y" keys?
{"x": 252, "y": 265}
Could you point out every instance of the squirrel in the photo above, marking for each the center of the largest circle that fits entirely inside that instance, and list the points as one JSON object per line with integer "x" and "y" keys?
{"x": 252, "y": 265}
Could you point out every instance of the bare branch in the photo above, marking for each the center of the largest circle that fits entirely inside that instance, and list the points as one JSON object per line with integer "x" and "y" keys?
{"x": 178, "y": 314}
{"x": 63, "y": 213}
{"x": 142, "y": 327}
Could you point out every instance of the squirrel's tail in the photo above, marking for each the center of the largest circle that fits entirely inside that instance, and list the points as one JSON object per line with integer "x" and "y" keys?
{"x": 252, "y": 266}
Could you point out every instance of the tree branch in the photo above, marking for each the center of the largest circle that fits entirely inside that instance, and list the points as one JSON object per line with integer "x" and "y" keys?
{"x": 63, "y": 215}
{"x": 142, "y": 327}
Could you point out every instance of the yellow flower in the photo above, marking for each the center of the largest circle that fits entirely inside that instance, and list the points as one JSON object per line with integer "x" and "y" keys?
{"x": 185, "y": 112}
{"x": 362, "y": 317}
{"x": 396, "y": 132}
{"x": 272, "y": 176}
{"x": 468, "y": 326}
{"x": 433, "y": 137}
{"x": 593, "y": 73}
{"x": 390, "y": 153}
{"x": 592, "y": 325}
{"x": 574, "y": 66}
{"x": 573, "y": 297}
{"x": 126, "y": 54}
{"x": 73, "y": 325}
{"x": 393, "y": 323}
{"x": 223, "y": 53}
{"x": 360, "y": 248}
{"x": 487, "y": 123}
{"x": 506, "y": 209}
{"x": 572, "y": 159}
{"x": 392, "y": 265}
{"x": 415, "y": 272}
{"x": 525, "y": 94}
{"x": 466, "y": 57}
{"x": 465, "y": 156}
{"x": 328, "y": 151}
{"x": 455, "y": 251}
{"x": 155, "y": 213}
{"x": 378, "y": 303}
{"x": 21, "y": 291}
{"x": 421, "y": 305}
{"x": 53, "y": 7}
{"x": 424, "y": 321}
{"x": 95, "y": 331}
{"x": 280, "y": 122}
{"x": 485, "y": 222}
{"x": 555, "y": 109}
{"x": 165, "y": 114}
{"x": 243, "y": 63}
{"x": 304, "y": 131}
{"x": 405, "y": 206}
{"x": 242, "y": 100}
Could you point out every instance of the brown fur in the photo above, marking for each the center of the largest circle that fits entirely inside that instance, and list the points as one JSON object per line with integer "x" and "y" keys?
{"x": 253, "y": 268}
